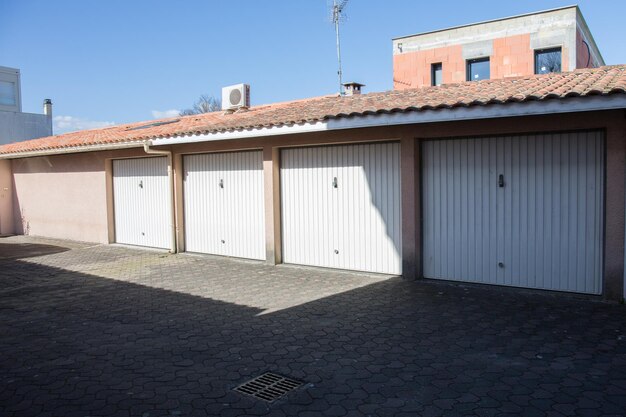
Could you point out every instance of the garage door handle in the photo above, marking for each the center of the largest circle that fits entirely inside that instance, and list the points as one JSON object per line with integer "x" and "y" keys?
{"x": 335, "y": 182}
{"x": 501, "y": 181}
{"x": 221, "y": 183}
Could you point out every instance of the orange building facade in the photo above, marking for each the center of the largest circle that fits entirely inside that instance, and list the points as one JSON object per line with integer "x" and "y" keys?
{"x": 550, "y": 41}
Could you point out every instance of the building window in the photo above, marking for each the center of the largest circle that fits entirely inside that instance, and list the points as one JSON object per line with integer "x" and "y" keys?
{"x": 10, "y": 89}
{"x": 435, "y": 74}
{"x": 478, "y": 69}
{"x": 547, "y": 60}
{"x": 7, "y": 94}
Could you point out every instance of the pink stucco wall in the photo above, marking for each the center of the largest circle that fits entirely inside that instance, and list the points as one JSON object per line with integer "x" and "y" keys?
{"x": 61, "y": 196}
{"x": 6, "y": 198}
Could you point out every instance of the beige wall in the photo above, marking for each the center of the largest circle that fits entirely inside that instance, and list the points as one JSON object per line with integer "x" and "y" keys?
{"x": 61, "y": 196}
{"x": 65, "y": 196}
{"x": 70, "y": 196}
{"x": 6, "y": 198}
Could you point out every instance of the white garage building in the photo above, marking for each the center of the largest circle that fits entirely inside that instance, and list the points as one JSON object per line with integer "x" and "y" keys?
{"x": 507, "y": 182}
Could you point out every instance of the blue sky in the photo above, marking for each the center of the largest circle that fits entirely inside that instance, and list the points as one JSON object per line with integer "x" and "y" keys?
{"x": 114, "y": 61}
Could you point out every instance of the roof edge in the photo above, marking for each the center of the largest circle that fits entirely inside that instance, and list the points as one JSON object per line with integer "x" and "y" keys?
{"x": 529, "y": 108}
{"x": 73, "y": 149}
{"x": 488, "y": 21}
{"x": 607, "y": 90}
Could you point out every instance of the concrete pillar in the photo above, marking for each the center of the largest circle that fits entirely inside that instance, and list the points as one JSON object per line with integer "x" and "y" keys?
{"x": 108, "y": 176}
{"x": 179, "y": 212}
{"x": 614, "y": 222}
{"x": 271, "y": 178}
{"x": 409, "y": 168}
{"x": 6, "y": 198}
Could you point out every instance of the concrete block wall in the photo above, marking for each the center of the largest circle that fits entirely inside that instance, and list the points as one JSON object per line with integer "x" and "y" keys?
{"x": 509, "y": 43}
{"x": 414, "y": 69}
{"x": 512, "y": 57}
{"x": 586, "y": 57}
{"x": 17, "y": 126}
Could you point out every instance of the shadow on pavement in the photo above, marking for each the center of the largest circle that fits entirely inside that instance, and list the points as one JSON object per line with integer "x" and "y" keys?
{"x": 74, "y": 344}
{"x": 28, "y": 250}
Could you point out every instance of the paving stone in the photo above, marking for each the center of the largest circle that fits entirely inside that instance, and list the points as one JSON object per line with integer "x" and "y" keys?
{"x": 106, "y": 330}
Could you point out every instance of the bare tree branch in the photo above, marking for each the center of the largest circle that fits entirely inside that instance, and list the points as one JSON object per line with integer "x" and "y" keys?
{"x": 205, "y": 104}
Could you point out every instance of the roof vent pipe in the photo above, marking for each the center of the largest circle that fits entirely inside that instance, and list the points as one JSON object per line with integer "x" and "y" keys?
{"x": 47, "y": 107}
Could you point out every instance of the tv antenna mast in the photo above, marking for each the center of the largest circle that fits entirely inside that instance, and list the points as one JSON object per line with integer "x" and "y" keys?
{"x": 338, "y": 16}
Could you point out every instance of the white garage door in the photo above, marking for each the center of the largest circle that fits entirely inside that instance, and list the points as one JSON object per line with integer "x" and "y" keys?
{"x": 524, "y": 211}
{"x": 224, "y": 204}
{"x": 141, "y": 202}
{"x": 341, "y": 207}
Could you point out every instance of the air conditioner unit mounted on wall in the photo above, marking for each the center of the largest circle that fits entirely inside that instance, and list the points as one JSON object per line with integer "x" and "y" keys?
{"x": 236, "y": 97}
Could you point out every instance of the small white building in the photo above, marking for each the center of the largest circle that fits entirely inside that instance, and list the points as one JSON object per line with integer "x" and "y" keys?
{"x": 16, "y": 125}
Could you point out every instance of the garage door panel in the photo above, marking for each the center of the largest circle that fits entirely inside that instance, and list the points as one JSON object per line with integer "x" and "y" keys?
{"x": 558, "y": 248}
{"x": 341, "y": 207}
{"x": 141, "y": 202}
{"x": 224, "y": 204}
{"x": 372, "y": 197}
{"x": 246, "y": 201}
{"x": 541, "y": 229}
{"x": 308, "y": 227}
{"x": 203, "y": 214}
{"x": 459, "y": 239}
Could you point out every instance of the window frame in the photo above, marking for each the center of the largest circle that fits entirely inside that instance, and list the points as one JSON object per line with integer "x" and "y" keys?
{"x": 433, "y": 69}
{"x": 468, "y": 65}
{"x": 537, "y": 52}
{"x": 12, "y": 75}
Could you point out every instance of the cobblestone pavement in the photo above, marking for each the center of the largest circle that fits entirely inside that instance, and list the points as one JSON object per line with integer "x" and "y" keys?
{"x": 107, "y": 330}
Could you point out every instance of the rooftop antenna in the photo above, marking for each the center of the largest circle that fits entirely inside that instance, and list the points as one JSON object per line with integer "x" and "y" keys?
{"x": 338, "y": 16}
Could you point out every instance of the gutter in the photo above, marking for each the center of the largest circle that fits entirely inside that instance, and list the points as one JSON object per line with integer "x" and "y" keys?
{"x": 73, "y": 149}
{"x": 170, "y": 177}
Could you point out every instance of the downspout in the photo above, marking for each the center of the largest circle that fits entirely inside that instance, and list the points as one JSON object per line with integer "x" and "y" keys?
{"x": 170, "y": 177}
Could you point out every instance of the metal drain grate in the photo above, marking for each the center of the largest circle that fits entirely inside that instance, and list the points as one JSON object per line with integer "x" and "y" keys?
{"x": 268, "y": 387}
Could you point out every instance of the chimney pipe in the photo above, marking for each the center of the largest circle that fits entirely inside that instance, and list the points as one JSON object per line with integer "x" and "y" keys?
{"x": 352, "y": 88}
{"x": 47, "y": 107}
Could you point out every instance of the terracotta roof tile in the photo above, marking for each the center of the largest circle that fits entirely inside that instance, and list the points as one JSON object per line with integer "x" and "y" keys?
{"x": 580, "y": 83}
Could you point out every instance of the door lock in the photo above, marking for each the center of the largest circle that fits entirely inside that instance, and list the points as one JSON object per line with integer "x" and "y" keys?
{"x": 335, "y": 184}
{"x": 221, "y": 183}
{"x": 501, "y": 181}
